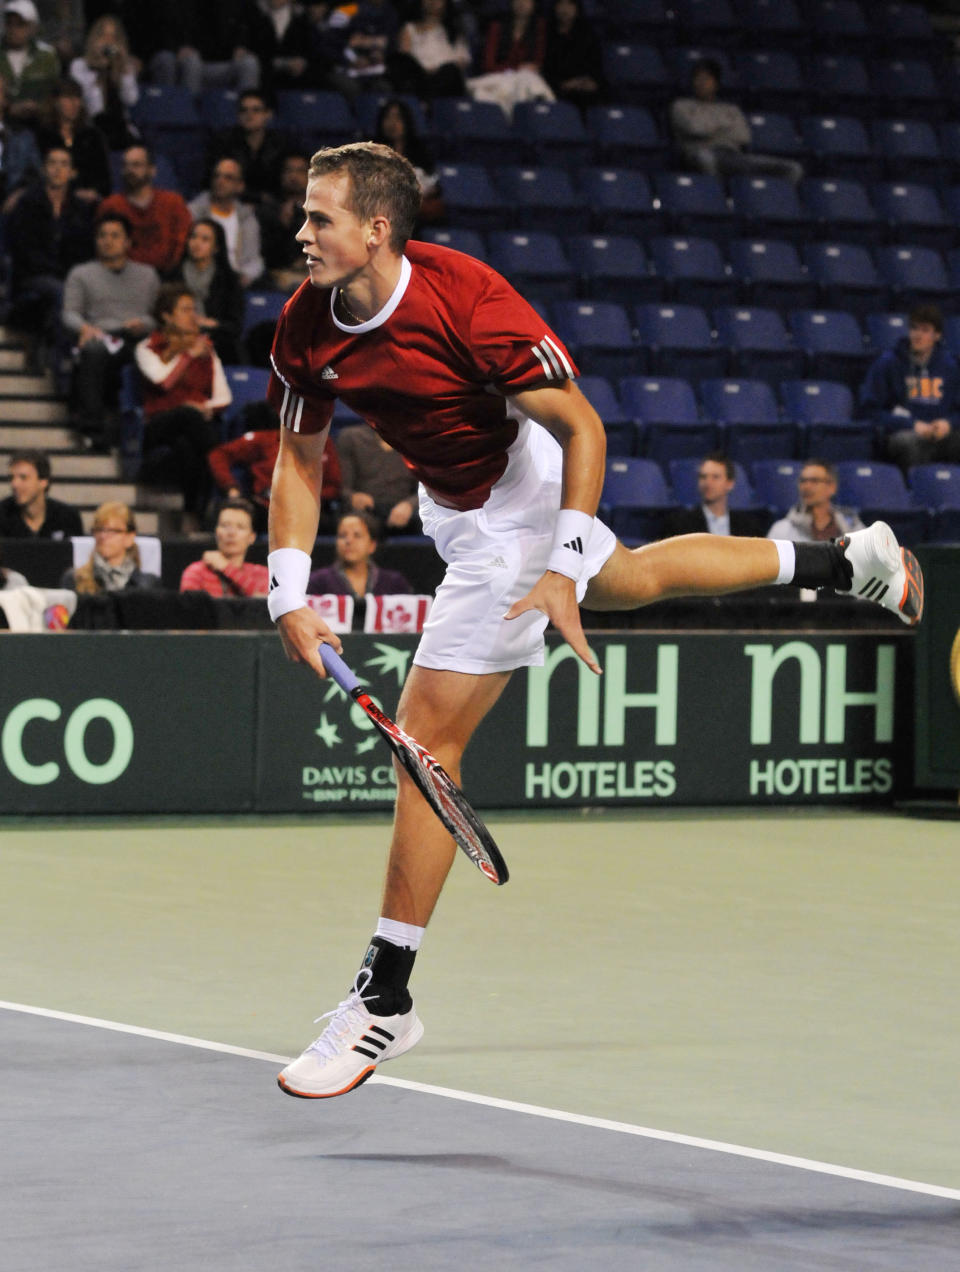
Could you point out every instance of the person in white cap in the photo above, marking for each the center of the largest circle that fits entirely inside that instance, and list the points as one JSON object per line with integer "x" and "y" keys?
{"x": 29, "y": 68}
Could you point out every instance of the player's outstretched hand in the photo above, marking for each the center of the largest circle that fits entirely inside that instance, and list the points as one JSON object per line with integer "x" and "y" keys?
{"x": 555, "y": 595}
{"x": 301, "y": 632}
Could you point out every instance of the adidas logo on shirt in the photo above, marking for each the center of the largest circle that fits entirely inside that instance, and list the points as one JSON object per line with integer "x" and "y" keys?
{"x": 575, "y": 545}
{"x": 328, "y": 373}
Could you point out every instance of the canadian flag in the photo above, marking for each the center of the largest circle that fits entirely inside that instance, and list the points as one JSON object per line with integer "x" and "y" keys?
{"x": 400, "y": 613}
{"x": 336, "y": 611}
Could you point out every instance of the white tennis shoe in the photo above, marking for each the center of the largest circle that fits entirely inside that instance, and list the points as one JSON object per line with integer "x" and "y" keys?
{"x": 884, "y": 572}
{"x": 350, "y": 1048}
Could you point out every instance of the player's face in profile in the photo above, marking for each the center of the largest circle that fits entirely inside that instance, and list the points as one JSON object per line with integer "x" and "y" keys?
{"x": 334, "y": 241}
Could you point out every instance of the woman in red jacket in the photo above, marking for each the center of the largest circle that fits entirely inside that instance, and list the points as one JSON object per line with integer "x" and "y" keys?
{"x": 184, "y": 388}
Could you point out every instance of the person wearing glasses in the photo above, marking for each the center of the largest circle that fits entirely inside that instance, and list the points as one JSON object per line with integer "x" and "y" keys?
{"x": 114, "y": 563}
{"x": 814, "y": 518}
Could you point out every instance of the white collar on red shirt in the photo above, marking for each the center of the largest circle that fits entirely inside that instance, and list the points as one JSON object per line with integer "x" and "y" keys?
{"x": 381, "y": 315}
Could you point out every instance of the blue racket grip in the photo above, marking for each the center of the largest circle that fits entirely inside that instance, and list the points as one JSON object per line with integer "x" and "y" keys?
{"x": 338, "y": 669}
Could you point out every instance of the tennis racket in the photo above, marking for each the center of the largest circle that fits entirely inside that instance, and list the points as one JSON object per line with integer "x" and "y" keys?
{"x": 435, "y": 785}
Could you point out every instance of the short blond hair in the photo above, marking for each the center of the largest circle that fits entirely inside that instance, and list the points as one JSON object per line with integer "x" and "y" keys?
{"x": 382, "y": 183}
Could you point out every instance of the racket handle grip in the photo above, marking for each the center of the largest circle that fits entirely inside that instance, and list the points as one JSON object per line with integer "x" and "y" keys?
{"x": 338, "y": 669}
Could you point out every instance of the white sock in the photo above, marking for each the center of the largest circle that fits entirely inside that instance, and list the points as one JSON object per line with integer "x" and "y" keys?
{"x": 788, "y": 560}
{"x": 402, "y": 934}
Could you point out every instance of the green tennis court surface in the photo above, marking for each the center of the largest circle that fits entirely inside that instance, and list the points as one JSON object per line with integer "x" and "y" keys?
{"x": 783, "y": 981}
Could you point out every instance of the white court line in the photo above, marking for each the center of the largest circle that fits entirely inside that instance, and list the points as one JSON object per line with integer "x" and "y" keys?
{"x": 513, "y": 1106}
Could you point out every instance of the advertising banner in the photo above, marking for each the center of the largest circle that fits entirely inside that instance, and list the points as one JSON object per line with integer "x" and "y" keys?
{"x": 937, "y": 713}
{"x": 104, "y": 723}
{"x": 719, "y": 718}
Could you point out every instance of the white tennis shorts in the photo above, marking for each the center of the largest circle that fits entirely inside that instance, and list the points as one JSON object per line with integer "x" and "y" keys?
{"x": 494, "y": 555}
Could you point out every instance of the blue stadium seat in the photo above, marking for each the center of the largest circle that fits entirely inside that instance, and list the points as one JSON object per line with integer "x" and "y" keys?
{"x": 708, "y": 21}
{"x": 841, "y": 210}
{"x": 773, "y": 80}
{"x": 841, "y": 83}
{"x": 534, "y": 261}
{"x": 833, "y": 344}
{"x": 636, "y": 74}
{"x": 906, "y": 28}
{"x": 747, "y": 412}
{"x": 367, "y": 107}
{"x": 823, "y": 409}
{"x": 460, "y": 240}
{"x": 839, "y": 24}
{"x": 666, "y": 417}
{"x": 470, "y": 198}
{"x": 614, "y": 267}
{"x": 771, "y": 273}
{"x": 910, "y": 149}
{"x": 646, "y": 20}
{"x": 263, "y": 306}
{"x": 769, "y": 206}
{"x": 950, "y": 149}
{"x": 474, "y": 132}
{"x": 694, "y": 203}
{"x": 165, "y": 107}
{"x": 884, "y": 330}
{"x": 683, "y": 479}
{"x": 775, "y": 482}
{"x": 914, "y": 274}
{"x": 951, "y": 333}
{"x": 217, "y": 107}
{"x": 908, "y": 86}
{"x": 759, "y": 344}
{"x": 634, "y": 497}
{"x": 841, "y": 147}
{"x": 617, "y": 423}
{"x": 679, "y": 342}
{"x": 542, "y": 198}
{"x": 316, "y": 116}
{"x": 914, "y": 214}
{"x": 774, "y": 23}
{"x": 694, "y": 271}
{"x": 247, "y": 384}
{"x": 935, "y": 486}
{"x": 879, "y": 492}
{"x": 552, "y": 133}
{"x": 772, "y": 133}
{"x": 846, "y": 277}
{"x": 600, "y": 337}
{"x": 620, "y": 201}
{"x": 626, "y": 135}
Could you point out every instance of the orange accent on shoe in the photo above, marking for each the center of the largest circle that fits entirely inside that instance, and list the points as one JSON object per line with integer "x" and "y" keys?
{"x": 327, "y": 1095}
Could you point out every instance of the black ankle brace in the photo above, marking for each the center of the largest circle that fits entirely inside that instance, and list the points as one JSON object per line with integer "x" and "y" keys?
{"x": 822, "y": 565}
{"x": 390, "y": 966}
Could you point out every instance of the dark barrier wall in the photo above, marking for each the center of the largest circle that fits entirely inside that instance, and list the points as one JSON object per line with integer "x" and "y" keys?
{"x": 937, "y": 712}
{"x": 160, "y": 723}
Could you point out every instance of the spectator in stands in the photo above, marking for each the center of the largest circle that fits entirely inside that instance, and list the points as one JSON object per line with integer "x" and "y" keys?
{"x": 397, "y": 128}
{"x": 716, "y": 477}
{"x": 243, "y": 466}
{"x": 364, "y": 51}
{"x": 573, "y": 61}
{"x": 280, "y": 218}
{"x": 107, "y": 74}
{"x": 517, "y": 41}
{"x": 184, "y": 387}
{"x": 222, "y": 202}
{"x": 432, "y": 54}
{"x": 257, "y": 147}
{"x": 914, "y": 388}
{"x": 48, "y": 232}
{"x": 216, "y": 288}
{"x": 224, "y": 570}
{"x": 64, "y": 123}
{"x": 282, "y": 36}
{"x": 354, "y": 572}
{"x": 814, "y": 517}
{"x": 29, "y": 67}
{"x": 375, "y": 479}
{"x": 29, "y": 512}
{"x": 19, "y": 156}
{"x": 712, "y": 136}
{"x": 114, "y": 563}
{"x": 206, "y": 46}
{"x": 107, "y": 307}
{"x": 159, "y": 219}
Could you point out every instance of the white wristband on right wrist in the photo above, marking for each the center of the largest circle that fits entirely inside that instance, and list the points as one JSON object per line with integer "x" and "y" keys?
{"x": 289, "y": 574}
{"x": 571, "y": 537}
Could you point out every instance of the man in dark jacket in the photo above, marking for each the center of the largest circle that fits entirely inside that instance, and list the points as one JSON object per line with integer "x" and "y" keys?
{"x": 716, "y": 477}
{"x": 914, "y": 389}
{"x": 29, "y": 512}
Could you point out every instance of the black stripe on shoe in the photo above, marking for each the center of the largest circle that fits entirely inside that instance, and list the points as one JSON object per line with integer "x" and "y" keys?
{"x": 384, "y": 1033}
{"x": 371, "y": 1055}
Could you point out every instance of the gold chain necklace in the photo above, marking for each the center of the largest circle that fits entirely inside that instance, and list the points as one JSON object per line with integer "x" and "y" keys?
{"x": 355, "y": 318}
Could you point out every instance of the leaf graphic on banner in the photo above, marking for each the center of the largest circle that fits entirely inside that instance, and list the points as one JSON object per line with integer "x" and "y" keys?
{"x": 366, "y": 745}
{"x": 391, "y": 659}
{"x": 327, "y": 732}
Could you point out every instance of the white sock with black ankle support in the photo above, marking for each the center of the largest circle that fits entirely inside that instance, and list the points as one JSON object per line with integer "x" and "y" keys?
{"x": 406, "y": 935}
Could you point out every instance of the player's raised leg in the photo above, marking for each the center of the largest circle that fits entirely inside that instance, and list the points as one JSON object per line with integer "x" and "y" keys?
{"x": 377, "y": 1020}
{"x": 870, "y": 563}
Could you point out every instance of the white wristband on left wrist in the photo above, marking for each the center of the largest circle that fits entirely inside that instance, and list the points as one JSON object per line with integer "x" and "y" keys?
{"x": 571, "y": 537}
{"x": 289, "y": 574}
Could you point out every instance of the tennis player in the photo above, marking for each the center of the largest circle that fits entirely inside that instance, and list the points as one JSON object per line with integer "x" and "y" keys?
{"x": 465, "y": 380}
